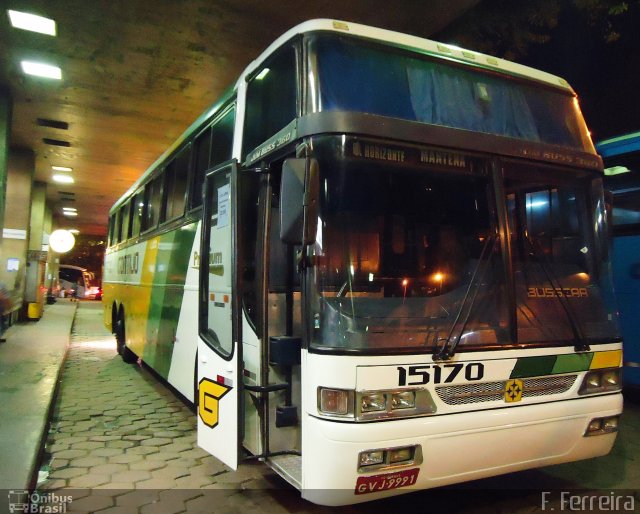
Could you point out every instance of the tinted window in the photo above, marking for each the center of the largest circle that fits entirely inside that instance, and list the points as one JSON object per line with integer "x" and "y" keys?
{"x": 137, "y": 208}
{"x": 70, "y": 275}
{"x": 175, "y": 186}
{"x": 212, "y": 147}
{"x": 622, "y": 178}
{"x": 222, "y": 138}
{"x": 112, "y": 224}
{"x": 125, "y": 225}
{"x": 271, "y": 99}
{"x": 117, "y": 233}
{"x": 356, "y": 77}
{"x": 201, "y": 164}
{"x": 152, "y": 197}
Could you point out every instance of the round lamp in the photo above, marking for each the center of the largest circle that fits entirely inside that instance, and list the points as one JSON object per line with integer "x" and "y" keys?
{"x": 61, "y": 241}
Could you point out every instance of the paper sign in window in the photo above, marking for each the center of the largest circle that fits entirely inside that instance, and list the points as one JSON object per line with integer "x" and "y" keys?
{"x": 223, "y": 206}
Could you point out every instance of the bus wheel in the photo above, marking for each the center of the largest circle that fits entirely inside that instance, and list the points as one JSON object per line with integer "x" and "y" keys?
{"x": 127, "y": 355}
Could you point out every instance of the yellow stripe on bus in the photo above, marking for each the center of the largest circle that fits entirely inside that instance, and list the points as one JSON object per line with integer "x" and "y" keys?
{"x": 611, "y": 359}
{"x": 141, "y": 299}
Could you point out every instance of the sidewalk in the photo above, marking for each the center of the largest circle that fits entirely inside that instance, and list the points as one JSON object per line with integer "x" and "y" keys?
{"x": 30, "y": 362}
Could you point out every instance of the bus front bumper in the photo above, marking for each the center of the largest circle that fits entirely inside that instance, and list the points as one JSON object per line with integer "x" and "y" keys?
{"x": 455, "y": 448}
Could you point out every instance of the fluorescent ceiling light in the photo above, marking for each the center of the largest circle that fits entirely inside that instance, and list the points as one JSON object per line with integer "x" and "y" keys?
{"x": 41, "y": 70}
{"x": 70, "y": 209}
{"x": 74, "y": 231}
{"x": 61, "y": 168}
{"x": 70, "y": 213}
{"x": 32, "y": 22}
{"x": 63, "y": 179}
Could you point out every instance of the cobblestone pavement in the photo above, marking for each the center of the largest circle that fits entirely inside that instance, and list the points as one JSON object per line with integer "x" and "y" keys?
{"x": 122, "y": 442}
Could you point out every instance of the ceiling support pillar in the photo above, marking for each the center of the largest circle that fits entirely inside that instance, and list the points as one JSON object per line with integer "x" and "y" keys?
{"x": 6, "y": 106}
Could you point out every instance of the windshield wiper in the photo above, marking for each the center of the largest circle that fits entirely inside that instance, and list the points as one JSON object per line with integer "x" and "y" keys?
{"x": 580, "y": 342}
{"x": 450, "y": 343}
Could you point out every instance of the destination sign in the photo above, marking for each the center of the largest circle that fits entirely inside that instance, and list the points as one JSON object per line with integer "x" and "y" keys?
{"x": 407, "y": 155}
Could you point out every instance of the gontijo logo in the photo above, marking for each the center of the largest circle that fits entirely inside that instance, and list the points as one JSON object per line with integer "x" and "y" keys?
{"x": 209, "y": 395}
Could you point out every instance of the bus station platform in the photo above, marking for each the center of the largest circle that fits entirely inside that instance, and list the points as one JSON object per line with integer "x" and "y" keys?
{"x": 30, "y": 362}
{"x": 85, "y": 432}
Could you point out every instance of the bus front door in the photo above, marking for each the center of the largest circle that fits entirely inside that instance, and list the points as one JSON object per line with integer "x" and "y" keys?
{"x": 219, "y": 356}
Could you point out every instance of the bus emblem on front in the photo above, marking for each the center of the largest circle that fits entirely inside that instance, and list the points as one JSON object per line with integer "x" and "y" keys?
{"x": 513, "y": 390}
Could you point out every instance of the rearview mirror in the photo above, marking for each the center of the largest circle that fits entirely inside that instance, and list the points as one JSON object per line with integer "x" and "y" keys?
{"x": 299, "y": 201}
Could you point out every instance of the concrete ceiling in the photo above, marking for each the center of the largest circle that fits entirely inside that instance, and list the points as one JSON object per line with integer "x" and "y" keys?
{"x": 137, "y": 73}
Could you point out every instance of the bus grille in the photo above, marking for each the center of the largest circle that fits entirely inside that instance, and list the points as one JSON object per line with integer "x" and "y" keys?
{"x": 494, "y": 391}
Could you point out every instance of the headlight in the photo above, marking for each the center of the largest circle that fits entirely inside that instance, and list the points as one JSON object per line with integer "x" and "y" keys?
{"x": 373, "y": 402}
{"x": 400, "y": 455}
{"x": 601, "y": 381}
{"x": 599, "y": 426}
{"x": 611, "y": 378}
{"x": 403, "y": 400}
{"x": 371, "y": 458}
{"x": 389, "y": 458}
{"x": 401, "y": 403}
{"x": 372, "y": 405}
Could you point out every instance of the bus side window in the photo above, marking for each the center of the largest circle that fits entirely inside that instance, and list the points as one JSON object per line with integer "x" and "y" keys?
{"x": 125, "y": 226}
{"x": 112, "y": 224}
{"x": 222, "y": 138}
{"x": 271, "y": 99}
{"x": 137, "y": 205}
{"x": 117, "y": 235}
{"x": 202, "y": 151}
{"x": 175, "y": 186}
{"x": 213, "y": 146}
{"x": 152, "y": 197}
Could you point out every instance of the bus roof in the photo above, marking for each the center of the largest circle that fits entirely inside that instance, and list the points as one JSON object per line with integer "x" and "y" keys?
{"x": 413, "y": 43}
{"x": 626, "y": 143}
{"x": 433, "y": 48}
{"x": 71, "y": 266}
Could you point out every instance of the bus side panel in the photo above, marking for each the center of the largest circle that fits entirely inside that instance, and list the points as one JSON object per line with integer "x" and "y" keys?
{"x": 147, "y": 280}
{"x": 108, "y": 288}
{"x": 181, "y": 371}
{"x": 166, "y": 295}
{"x": 126, "y": 272}
{"x": 626, "y": 276}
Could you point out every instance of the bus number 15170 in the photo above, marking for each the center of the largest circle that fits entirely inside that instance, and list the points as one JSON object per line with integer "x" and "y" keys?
{"x": 438, "y": 374}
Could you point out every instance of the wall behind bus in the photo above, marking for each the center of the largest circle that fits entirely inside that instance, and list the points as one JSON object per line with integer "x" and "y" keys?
{"x": 15, "y": 241}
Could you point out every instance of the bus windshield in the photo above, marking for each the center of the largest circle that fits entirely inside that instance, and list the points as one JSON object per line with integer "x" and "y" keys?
{"x": 360, "y": 77}
{"x": 560, "y": 256}
{"x": 406, "y": 260}
{"x": 395, "y": 249}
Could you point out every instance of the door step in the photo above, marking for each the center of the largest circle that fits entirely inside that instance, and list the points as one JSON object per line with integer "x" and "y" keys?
{"x": 288, "y": 467}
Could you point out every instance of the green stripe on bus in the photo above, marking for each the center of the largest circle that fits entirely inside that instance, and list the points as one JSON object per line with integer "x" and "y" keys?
{"x": 572, "y": 362}
{"x": 167, "y": 291}
{"x": 533, "y": 366}
{"x": 551, "y": 365}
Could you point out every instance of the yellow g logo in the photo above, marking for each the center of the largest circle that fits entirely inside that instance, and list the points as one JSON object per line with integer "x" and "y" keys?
{"x": 209, "y": 394}
{"x": 513, "y": 390}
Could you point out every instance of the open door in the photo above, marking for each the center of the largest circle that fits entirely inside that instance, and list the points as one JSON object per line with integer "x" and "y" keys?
{"x": 219, "y": 356}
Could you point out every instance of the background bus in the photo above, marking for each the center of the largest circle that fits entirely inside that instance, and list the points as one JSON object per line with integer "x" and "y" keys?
{"x": 79, "y": 281}
{"x": 621, "y": 157}
{"x": 364, "y": 256}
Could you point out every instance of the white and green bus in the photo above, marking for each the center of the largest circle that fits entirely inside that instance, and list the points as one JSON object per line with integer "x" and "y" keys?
{"x": 378, "y": 264}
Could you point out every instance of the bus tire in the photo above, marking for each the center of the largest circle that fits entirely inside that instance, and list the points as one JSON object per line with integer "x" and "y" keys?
{"x": 123, "y": 350}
